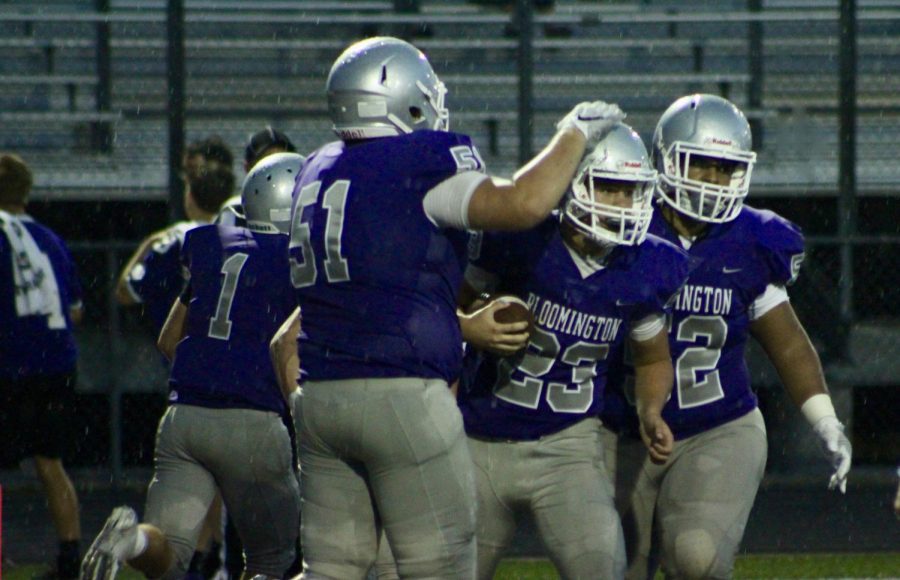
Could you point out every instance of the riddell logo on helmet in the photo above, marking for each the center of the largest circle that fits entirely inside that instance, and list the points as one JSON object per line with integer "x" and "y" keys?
{"x": 353, "y": 133}
{"x": 632, "y": 164}
{"x": 717, "y": 141}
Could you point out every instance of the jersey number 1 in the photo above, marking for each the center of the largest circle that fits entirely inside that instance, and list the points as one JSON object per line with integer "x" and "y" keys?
{"x": 220, "y": 324}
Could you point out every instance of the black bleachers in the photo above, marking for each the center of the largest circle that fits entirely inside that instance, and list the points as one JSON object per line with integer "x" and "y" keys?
{"x": 252, "y": 63}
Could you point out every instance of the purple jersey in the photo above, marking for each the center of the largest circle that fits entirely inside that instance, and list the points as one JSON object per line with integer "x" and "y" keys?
{"x": 38, "y": 285}
{"x": 581, "y": 328}
{"x": 240, "y": 294}
{"x": 376, "y": 277}
{"x": 158, "y": 279}
{"x": 710, "y": 325}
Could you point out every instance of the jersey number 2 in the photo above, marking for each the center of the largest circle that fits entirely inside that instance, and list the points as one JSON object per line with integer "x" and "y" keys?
{"x": 696, "y": 359}
{"x": 336, "y": 268}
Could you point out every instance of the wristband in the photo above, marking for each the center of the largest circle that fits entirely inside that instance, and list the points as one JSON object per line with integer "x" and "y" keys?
{"x": 818, "y": 407}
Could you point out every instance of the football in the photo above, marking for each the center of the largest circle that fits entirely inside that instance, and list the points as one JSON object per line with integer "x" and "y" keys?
{"x": 517, "y": 311}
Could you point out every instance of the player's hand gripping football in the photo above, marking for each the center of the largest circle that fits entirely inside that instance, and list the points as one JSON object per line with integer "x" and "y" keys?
{"x": 657, "y": 437}
{"x": 594, "y": 120}
{"x": 498, "y": 326}
{"x": 837, "y": 449}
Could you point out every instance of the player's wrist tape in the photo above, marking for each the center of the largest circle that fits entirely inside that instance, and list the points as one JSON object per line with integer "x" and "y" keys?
{"x": 818, "y": 407}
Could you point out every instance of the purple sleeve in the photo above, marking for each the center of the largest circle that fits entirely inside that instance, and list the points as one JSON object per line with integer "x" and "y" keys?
{"x": 780, "y": 243}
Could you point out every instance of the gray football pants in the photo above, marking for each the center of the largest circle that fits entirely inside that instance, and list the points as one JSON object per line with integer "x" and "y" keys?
{"x": 690, "y": 513}
{"x": 562, "y": 481}
{"x": 244, "y": 453}
{"x": 388, "y": 452}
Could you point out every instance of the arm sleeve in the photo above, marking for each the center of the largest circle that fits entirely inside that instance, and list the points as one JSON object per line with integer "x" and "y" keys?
{"x": 773, "y": 295}
{"x": 648, "y": 327}
{"x": 782, "y": 246}
{"x": 447, "y": 203}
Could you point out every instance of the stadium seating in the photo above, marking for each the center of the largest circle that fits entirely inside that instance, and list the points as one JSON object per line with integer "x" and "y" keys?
{"x": 252, "y": 63}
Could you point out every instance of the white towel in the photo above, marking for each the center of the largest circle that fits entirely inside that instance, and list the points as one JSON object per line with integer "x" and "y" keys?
{"x": 37, "y": 293}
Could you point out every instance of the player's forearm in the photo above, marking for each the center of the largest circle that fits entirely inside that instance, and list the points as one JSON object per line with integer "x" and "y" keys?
{"x": 123, "y": 294}
{"x": 286, "y": 363}
{"x": 173, "y": 330}
{"x": 283, "y": 352}
{"x": 800, "y": 369}
{"x": 287, "y": 376}
{"x": 475, "y": 330}
{"x": 652, "y": 386}
{"x": 786, "y": 343}
{"x": 542, "y": 182}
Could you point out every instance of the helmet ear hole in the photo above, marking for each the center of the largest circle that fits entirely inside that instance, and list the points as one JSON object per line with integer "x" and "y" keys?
{"x": 416, "y": 113}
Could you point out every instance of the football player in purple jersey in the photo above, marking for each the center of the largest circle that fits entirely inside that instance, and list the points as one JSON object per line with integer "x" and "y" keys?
{"x": 225, "y": 427}
{"x": 594, "y": 281}
{"x": 153, "y": 275}
{"x": 40, "y": 301}
{"x": 377, "y": 242}
{"x": 698, "y": 503}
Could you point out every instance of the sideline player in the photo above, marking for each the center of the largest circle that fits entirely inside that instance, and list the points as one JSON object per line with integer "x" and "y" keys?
{"x": 700, "y": 500}
{"x": 40, "y": 301}
{"x": 594, "y": 282}
{"x": 224, "y": 428}
{"x": 376, "y": 246}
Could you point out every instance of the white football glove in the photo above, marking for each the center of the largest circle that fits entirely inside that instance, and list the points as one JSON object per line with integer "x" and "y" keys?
{"x": 837, "y": 449}
{"x": 594, "y": 120}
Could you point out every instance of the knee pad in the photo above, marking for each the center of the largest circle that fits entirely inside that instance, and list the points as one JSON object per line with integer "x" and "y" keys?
{"x": 270, "y": 564}
{"x": 694, "y": 554}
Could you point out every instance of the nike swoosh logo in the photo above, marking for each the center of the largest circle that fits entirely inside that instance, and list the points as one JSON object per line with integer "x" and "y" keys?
{"x": 620, "y": 303}
{"x": 727, "y": 270}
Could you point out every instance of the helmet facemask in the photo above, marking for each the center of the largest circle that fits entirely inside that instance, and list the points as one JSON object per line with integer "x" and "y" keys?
{"x": 618, "y": 165}
{"x": 435, "y": 100}
{"x": 712, "y": 129}
{"x": 701, "y": 200}
{"x": 606, "y": 223}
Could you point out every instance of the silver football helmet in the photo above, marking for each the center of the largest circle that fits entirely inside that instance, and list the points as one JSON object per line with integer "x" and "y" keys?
{"x": 703, "y": 126}
{"x": 383, "y": 86}
{"x": 619, "y": 157}
{"x": 267, "y": 191}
